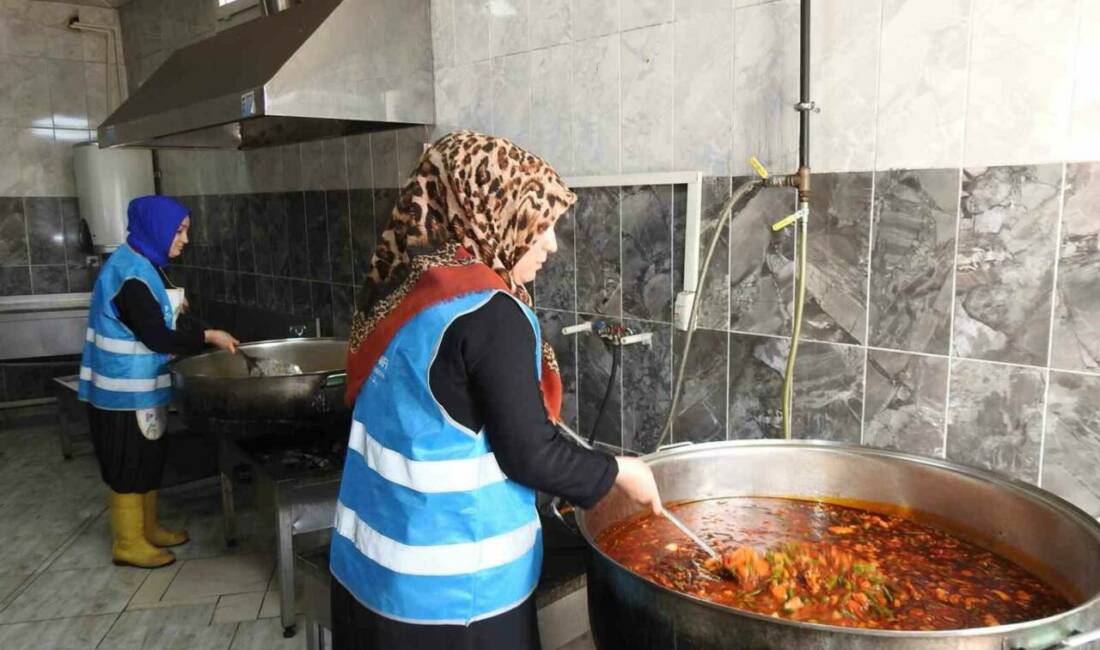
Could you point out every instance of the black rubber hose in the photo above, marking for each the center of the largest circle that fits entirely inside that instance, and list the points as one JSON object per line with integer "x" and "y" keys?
{"x": 616, "y": 354}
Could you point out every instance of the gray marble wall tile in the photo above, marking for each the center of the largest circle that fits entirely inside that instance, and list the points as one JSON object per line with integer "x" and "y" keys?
{"x": 26, "y": 98}
{"x": 647, "y": 97}
{"x": 320, "y": 264}
{"x": 276, "y": 226}
{"x": 335, "y": 167}
{"x": 49, "y": 279}
{"x": 40, "y": 174}
{"x": 410, "y": 148}
{"x": 443, "y": 33}
{"x": 247, "y": 210}
{"x": 565, "y": 348}
{"x": 828, "y": 392}
{"x": 596, "y": 105}
{"x": 343, "y": 306}
{"x": 82, "y": 277}
{"x": 701, "y": 412}
{"x": 905, "y": 402}
{"x": 845, "y": 48}
{"x": 302, "y": 301}
{"x": 95, "y": 90}
{"x": 703, "y": 90}
{"x": 836, "y": 281}
{"x": 714, "y": 312}
{"x": 67, "y": 97}
{"x": 647, "y": 252}
{"x": 762, "y": 263}
{"x": 339, "y": 236}
{"x": 599, "y": 275}
{"x": 595, "y": 18}
{"x": 360, "y": 172}
{"x": 471, "y": 14}
{"x": 297, "y": 235}
{"x": 363, "y": 240}
{"x": 643, "y": 13}
{"x": 766, "y": 63}
{"x": 551, "y": 134}
{"x": 995, "y": 417}
{"x": 594, "y": 361}
{"x": 1084, "y": 137}
{"x": 13, "y": 233}
{"x": 247, "y": 289}
{"x": 384, "y": 202}
{"x": 1021, "y": 81}
{"x": 1076, "y": 344}
{"x": 11, "y": 164}
{"x": 911, "y": 259}
{"x": 922, "y": 83}
{"x": 463, "y": 96}
{"x": 512, "y": 97}
{"x": 647, "y": 386}
{"x": 508, "y": 27}
{"x": 313, "y": 165}
{"x": 756, "y": 386}
{"x": 15, "y": 280}
{"x": 556, "y": 283}
{"x": 384, "y": 167}
{"x": 1005, "y": 265}
{"x": 1072, "y": 446}
{"x": 321, "y": 293}
{"x": 550, "y": 23}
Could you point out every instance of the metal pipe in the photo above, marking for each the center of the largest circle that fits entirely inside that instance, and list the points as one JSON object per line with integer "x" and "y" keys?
{"x": 805, "y": 104}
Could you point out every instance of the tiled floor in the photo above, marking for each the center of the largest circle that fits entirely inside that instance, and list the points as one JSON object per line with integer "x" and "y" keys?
{"x": 59, "y": 590}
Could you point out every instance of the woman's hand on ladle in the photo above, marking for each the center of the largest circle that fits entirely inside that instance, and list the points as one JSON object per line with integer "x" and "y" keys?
{"x": 221, "y": 339}
{"x": 636, "y": 479}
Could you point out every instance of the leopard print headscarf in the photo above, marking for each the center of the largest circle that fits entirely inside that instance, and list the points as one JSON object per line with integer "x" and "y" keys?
{"x": 469, "y": 190}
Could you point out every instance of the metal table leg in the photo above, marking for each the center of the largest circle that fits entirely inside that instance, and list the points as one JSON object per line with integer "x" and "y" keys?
{"x": 64, "y": 434}
{"x": 229, "y": 512}
{"x": 284, "y": 533}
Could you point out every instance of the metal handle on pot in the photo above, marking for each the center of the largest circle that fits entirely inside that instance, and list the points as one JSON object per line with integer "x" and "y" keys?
{"x": 675, "y": 445}
{"x": 571, "y": 527}
{"x": 1076, "y": 640}
{"x": 336, "y": 379}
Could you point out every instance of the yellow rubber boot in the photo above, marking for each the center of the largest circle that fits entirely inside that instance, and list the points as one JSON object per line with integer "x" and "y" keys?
{"x": 156, "y": 535}
{"x": 130, "y": 546}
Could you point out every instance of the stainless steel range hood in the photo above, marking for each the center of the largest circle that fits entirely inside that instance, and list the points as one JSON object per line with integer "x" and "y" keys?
{"x": 318, "y": 69}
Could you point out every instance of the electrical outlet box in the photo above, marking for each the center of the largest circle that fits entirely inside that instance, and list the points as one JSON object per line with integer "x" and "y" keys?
{"x": 681, "y": 311}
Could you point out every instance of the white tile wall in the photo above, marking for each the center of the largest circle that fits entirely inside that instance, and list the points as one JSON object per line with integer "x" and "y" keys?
{"x": 53, "y": 90}
{"x": 901, "y": 83}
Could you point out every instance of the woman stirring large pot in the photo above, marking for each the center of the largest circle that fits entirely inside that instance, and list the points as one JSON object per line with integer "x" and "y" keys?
{"x": 437, "y": 541}
{"x": 131, "y": 336}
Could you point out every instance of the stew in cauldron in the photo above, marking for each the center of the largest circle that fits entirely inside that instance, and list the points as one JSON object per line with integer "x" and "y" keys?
{"x": 833, "y": 564}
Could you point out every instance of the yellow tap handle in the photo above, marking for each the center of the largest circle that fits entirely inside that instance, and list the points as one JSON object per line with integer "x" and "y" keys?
{"x": 758, "y": 167}
{"x": 785, "y": 221}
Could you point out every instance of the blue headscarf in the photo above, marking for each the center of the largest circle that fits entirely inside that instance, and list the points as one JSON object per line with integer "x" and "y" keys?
{"x": 153, "y": 222}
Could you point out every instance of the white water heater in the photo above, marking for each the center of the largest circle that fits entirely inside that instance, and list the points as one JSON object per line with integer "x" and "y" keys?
{"x": 106, "y": 181}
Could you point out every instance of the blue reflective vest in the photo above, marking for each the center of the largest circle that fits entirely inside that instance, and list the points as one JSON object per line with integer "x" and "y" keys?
{"x": 117, "y": 371}
{"x": 429, "y": 530}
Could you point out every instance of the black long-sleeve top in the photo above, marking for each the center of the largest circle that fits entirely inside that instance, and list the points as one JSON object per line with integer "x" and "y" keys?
{"x": 485, "y": 375}
{"x": 139, "y": 310}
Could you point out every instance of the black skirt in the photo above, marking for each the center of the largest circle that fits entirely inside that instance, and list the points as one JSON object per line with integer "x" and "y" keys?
{"x": 128, "y": 461}
{"x": 355, "y": 627}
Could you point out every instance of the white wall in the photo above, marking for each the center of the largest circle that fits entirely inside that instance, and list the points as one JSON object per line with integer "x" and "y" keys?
{"x": 53, "y": 92}
{"x": 602, "y": 86}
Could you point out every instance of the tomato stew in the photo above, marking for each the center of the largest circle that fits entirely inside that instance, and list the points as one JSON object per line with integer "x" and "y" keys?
{"x": 833, "y": 564}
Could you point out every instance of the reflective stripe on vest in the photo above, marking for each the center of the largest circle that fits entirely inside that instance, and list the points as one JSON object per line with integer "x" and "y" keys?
{"x": 428, "y": 528}
{"x": 117, "y": 371}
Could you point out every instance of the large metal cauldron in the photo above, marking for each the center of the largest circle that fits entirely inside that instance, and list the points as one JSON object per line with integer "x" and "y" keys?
{"x": 628, "y": 612}
{"x": 215, "y": 392}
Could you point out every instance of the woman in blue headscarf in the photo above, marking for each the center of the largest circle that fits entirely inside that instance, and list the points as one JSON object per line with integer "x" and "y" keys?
{"x": 131, "y": 337}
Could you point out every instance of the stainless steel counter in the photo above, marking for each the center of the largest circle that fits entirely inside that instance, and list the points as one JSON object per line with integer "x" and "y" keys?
{"x": 43, "y": 326}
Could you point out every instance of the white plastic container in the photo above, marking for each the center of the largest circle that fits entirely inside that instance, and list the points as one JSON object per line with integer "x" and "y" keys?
{"x": 106, "y": 181}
